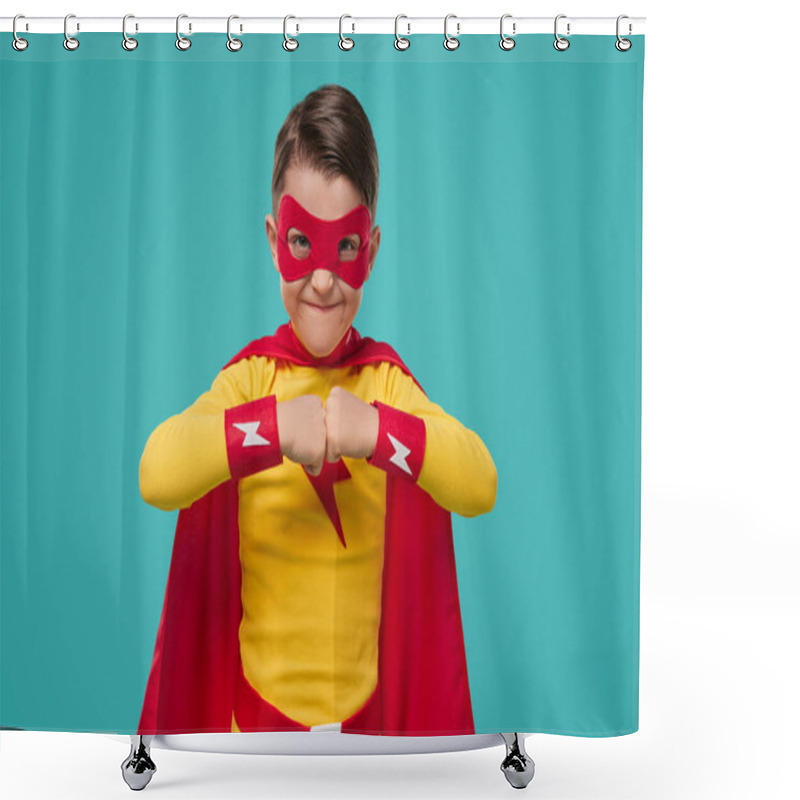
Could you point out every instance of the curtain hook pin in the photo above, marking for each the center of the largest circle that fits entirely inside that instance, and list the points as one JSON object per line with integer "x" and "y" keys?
{"x": 128, "y": 42}
{"x": 507, "y": 42}
{"x": 233, "y": 44}
{"x": 181, "y": 42}
{"x": 400, "y": 42}
{"x": 18, "y": 43}
{"x": 70, "y": 42}
{"x": 289, "y": 43}
{"x": 561, "y": 43}
{"x": 451, "y": 42}
{"x": 623, "y": 45}
{"x": 345, "y": 42}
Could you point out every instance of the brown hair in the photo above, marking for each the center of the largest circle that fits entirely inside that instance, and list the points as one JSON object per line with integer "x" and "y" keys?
{"x": 329, "y": 131}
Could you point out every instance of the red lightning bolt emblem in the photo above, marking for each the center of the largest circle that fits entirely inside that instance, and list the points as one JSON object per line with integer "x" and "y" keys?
{"x": 323, "y": 486}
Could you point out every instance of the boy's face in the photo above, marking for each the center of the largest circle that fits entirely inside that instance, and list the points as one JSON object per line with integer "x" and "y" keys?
{"x": 321, "y": 305}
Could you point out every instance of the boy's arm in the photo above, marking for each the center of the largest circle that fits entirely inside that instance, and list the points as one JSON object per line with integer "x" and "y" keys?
{"x": 418, "y": 440}
{"x": 224, "y": 433}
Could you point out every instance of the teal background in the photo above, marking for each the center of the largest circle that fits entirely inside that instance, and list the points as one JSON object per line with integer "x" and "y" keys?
{"x": 134, "y": 264}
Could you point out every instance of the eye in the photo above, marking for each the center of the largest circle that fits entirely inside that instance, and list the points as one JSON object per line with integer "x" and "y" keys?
{"x": 299, "y": 245}
{"x": 348, "y": 247}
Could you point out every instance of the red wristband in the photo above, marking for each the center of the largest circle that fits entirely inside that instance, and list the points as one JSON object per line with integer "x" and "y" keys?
{"x": 400, "y": 448}
{"x": 251, "y": 437}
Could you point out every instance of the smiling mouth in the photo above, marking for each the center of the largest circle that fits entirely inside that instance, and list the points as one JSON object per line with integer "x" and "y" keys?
{"x": 322, "y": 308}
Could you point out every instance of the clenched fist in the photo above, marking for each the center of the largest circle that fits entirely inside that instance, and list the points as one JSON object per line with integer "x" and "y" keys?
{"x": 301, "y": 430}
{"x": 352, "y": 426}
{"x": 310, "y": 434}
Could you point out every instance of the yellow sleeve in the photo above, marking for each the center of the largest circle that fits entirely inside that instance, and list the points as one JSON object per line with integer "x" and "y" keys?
{"x": 186, "y": 455}
{"x": 457, "y": 470}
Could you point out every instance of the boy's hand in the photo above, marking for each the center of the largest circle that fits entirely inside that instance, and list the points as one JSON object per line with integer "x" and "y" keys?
{"x": 301, "y": 430}
{"x": 352, "y": 426}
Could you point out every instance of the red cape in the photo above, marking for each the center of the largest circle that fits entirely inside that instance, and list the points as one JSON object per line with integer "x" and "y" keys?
{"x": 422, "y": 688}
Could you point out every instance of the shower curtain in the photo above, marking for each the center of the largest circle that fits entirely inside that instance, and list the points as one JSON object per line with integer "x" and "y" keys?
{"x": 500, "y": 589}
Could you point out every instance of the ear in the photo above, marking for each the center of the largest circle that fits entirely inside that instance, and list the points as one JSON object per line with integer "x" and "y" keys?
{"x": 272, "y": 238}
{"x": 374, "y": 244}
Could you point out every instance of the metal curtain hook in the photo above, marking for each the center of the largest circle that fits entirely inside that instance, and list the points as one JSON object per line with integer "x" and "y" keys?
{"x": 561, "y": 43}
{"x": 18, "y": 43}
{"x": 345, "y": 43}
{"x": 233, "y": 44}
{"x": 70, "y": 42}
{"x": 181, "y": 42}
{"x": 506, "y": 42}
{"x": 289, "y": 43}
{"x": 623, "y": 44}
{"x": 400, "y": 42}
{"x": 128, "y": 42}
{"x": 451, "y": 42}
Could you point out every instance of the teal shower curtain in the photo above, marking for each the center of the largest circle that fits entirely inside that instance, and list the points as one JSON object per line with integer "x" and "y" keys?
{"x": 134, "y": 264}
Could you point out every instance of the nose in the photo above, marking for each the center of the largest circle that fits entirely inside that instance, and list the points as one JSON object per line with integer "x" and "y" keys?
{"x": 322, "y": 280}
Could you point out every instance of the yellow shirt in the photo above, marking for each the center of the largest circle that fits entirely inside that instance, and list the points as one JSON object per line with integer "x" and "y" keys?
{"x": 311, "y": 607}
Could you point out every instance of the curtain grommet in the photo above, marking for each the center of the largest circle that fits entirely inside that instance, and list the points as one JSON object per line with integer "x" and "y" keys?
{"x": 401, "y": 42}
{"x": 622, "y": 44}
{"x": 290, "y": 44}
{"x": 233, "y": 44}
{"x": 18, "y": 43}
{"x": 70, "y": 42}
{"x": 560, "y": 44}
{"x": 181, "y": 42}
{"x": 507, "y": 42}
{"x": 451, "y": 42}
{"x": 129, "y": 43}
{"x": 345, "y": 42}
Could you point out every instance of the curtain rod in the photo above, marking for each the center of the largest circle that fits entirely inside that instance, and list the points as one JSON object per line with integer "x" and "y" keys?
{"x": 408, "y": 26}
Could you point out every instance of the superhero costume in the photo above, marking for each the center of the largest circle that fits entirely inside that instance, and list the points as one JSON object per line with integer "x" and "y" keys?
{"x": 196, "y": 678}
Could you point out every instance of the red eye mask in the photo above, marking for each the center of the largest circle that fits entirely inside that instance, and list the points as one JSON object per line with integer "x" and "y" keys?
{"x": 324, "y": 237}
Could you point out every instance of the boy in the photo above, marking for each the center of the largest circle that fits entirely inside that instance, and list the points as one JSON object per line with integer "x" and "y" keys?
{"x": 312, "y": 584}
